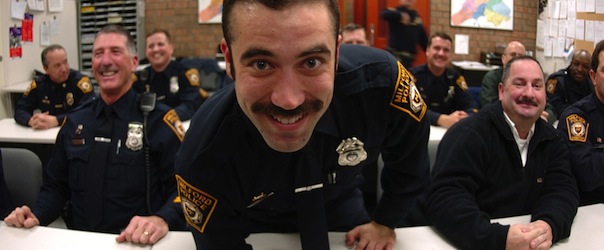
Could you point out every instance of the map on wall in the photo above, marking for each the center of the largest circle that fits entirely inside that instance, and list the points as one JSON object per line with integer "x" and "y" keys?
{"x": 487, "y": 14}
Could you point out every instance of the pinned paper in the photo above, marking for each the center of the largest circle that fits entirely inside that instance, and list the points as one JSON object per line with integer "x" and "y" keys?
{"x": 462, "y": 44}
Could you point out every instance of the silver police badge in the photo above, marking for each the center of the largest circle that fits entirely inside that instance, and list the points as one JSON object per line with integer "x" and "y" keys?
{"x": 351, "y": 152}
{"x": 69, "y": 99}
{"x": 174, "y": 85}
{"x": 134, "y": 141}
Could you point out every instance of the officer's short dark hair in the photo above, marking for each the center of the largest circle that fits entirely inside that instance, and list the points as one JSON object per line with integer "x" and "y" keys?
{"x": 228, "y": 5}
{"x": 506, "y": 69}
{"x": 161, "y": 31}
{"x": 49, "y": 49}
{"x": 595, "y": 58}
{"x": 118, "y": 29}
{"x": 440, "y": 34}
{"x": 351, "y": 27}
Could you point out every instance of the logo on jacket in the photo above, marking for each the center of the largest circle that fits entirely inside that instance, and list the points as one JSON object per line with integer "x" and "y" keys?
{"x": 577, "y": 128}
{"x": 406, "y": 97}
{"x": 134, "y": 141}
{"x": 551, "y": 85}
{"x": 197, "y": 205}
{"x": 351, "y": 152}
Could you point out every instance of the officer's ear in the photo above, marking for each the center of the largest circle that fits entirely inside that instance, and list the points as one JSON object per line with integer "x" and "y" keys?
{"x": 228, "y": 58}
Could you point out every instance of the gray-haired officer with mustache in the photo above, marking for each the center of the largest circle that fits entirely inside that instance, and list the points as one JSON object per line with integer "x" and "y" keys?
{"x": 504, "y": 161}
{"x": 282, "y": 149}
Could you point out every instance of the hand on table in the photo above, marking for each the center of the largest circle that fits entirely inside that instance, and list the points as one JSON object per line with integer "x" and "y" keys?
{"x": 43, "y": 121}
{"x": 535, "y": 235}
{"x": 371, "y": 236}
{"x": 144, "y": 230}
{"x": 22, "y": 217}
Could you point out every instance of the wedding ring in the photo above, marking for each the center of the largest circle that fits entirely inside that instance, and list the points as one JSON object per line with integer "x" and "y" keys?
{"x": 146, "y": 233}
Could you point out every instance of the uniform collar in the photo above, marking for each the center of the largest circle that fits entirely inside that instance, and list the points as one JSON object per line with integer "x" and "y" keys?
{"x": 121, "y": 107}
{"x": 167, "y": 71}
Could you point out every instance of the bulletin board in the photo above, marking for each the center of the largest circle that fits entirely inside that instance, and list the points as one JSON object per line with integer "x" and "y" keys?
{"x": 587, "y": 45}
{"x": 21, "y": 69}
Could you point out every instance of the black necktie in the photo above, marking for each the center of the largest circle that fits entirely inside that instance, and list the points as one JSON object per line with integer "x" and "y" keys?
{"x": 97, "y": 164}
{"x": 312, "y": 222}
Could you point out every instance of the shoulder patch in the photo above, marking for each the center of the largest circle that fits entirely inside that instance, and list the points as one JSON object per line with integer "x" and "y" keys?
{"x": 197, "y": 205}
{"x": 461, "y": 82}
{"x": 577, "y": 128}
{"x": 173, "y": 121}
{"x": 193, "y": 77}
{"x": 406, "y": 97}
{"x": 84, "y": 85}
{"x": 134, "y": 77}
{"x": 33, "y": 85}
{"x": 551, "y": 85}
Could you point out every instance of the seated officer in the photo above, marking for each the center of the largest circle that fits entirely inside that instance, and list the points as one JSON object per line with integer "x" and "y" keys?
{"x": 443, "y": 89}
{"x": 583, "y": 125}
{"x": 571, "y": 84}
{"x": 55, "y": 93}
{"x": 282, "y": 149}
{"x": 353, "y": 33}
{"x": 504, "y": 161}
{"x": 114, "y": 158}
{"x": 491, "y": 80}
{"x": 175, "y": 85}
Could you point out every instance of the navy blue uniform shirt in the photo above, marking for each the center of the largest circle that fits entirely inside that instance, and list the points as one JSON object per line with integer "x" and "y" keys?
{"x": 563, "y": 90}
{"x": 232, "y": 184}
{"x": 583, "y": 125}
{"x": 177, "y": 86}
{"x": 125, "y": 178}
{"x": 55, "y": 98}
{"x": 443, "y": 94}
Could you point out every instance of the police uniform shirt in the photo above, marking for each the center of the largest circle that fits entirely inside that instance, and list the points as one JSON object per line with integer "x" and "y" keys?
{"x": 55, "y": 98}
{"x": 583, "y": 124}
{"x": 563, "y": 90}
{"x": 232, "y": 184}
{"x": 124, "y": 186}
{"x": 177, "y": 86}
{"x": 443, "y": 94}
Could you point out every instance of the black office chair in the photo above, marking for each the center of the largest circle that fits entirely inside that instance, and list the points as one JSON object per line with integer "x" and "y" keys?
{"x": 23, "y": 175}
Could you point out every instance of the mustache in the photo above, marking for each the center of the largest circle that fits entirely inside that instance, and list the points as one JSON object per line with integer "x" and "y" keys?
{"x": 526, "y": 100}
{"x": 271, "y": 109}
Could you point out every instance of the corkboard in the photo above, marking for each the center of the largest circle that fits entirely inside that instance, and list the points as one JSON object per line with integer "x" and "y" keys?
{"x": 582, "y": 44}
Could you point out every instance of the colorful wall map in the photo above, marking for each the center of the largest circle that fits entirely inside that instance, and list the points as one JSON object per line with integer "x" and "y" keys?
{"x": 488, "y": 14}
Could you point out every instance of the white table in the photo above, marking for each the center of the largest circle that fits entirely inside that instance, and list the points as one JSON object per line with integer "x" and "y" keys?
{"x": 436, "y": 134}
{"x": 10, "y": 131}
{"x": 586, "y": 233}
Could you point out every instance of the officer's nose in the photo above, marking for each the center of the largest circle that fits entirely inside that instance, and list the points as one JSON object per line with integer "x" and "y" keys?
{"x": 288, "y": 91}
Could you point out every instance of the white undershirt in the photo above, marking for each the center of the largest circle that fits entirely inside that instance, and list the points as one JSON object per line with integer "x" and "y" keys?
{"x": 521, "y": 143}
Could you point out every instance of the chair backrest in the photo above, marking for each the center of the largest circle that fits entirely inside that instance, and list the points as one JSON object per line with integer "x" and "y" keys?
{"x": 23, "y": 175}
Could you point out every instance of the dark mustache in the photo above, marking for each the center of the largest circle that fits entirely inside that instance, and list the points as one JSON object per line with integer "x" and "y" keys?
{"x": 271, "y": 109}
{"x": 528, "y": 101}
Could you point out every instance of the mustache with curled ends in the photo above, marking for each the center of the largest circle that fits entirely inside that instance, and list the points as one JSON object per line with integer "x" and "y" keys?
{"x": 527, "y": 101}
{"x": 271, "y": 109}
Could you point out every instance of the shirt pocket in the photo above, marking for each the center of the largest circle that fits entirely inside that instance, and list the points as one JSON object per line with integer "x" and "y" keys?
{"x": 78, "y": 158}
{"x": 128, "y": 171}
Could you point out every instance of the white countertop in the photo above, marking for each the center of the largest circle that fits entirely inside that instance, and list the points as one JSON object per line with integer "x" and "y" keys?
{"x": 473, "y": 65}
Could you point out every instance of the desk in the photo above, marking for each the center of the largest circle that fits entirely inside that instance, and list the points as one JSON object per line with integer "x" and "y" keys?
{"x": 10, "y": 131}
{"x": 14, "y": 93}
{"x": 436, "y": 134}
{"x": 586, "y": 233}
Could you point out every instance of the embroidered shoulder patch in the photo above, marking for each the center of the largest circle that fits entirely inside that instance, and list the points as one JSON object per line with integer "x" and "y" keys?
{"x": 577, "y": 128}
{"x": 84, "y": 85}
{"x": 173, "y": 121}
{"x": 406, "y": 97}
{"x": 134, "y": 77}
{"x": 193, "y": 77}
{"x": 197, "y": 205}
{"x": 33, "y": 85}
{"x": 551, "y": 85}
{"x": 461, "y": 82}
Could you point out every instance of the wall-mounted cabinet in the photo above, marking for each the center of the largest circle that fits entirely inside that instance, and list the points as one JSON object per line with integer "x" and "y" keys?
{"x": 94, "y": 15}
